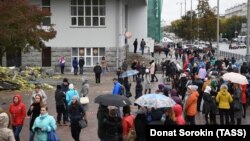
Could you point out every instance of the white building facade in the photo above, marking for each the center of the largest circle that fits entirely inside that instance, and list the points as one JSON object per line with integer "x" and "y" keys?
{"x": 237, "y": 10}
{"x": 90, "y": 29}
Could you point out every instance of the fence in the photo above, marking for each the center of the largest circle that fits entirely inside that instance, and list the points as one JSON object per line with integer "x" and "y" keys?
{"x": 238, "y": 57}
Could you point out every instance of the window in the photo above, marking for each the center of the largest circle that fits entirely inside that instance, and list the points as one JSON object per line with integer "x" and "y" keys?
{"x": 46, "y": 8}
{"x": 88, "y": 13}
{"x": 90, "y": 55}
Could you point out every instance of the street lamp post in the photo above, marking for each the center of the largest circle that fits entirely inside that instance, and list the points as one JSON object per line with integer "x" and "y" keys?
{"x": 235, "y": 33}
{"x": 248, "y": 34}
{"x": 218, "y": 28}
{"x": 181, "y": 7}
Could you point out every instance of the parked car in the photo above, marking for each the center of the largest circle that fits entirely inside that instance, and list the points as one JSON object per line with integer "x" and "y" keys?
{"x": 242, "y": 45}
{"x": 233, "y": 46}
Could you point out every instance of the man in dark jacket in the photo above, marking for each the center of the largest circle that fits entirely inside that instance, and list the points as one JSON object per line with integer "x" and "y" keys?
{"x": 97, "y": 70}
{"x": 102, "y": 114}
{"x": 81, "y": 64}
{"x": 135, "y": 45}
{"x": 75, "y": 65}
{"x": 60, "y": 105}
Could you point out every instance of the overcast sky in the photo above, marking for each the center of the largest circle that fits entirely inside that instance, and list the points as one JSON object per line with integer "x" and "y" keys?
{"x": 171, "y": 9}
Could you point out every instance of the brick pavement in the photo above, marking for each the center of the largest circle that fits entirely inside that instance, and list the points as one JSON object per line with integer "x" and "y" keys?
{"x": 89, "y": 133}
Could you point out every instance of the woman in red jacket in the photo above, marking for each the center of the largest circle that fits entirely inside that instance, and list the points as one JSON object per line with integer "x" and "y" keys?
{"x": 244, "y": 99}
{"x": 17, "y": 110}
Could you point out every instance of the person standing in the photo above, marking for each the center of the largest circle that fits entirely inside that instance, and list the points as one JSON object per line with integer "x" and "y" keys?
{"x": 6, "y": 134}
{"x": 38, "y": 91}
{"x": 65, "y": 88}
{"x": 102, "y": 114}
{"x": 97, "y": 70}
{"x": 224, "y": 98}
{"x": 143, "y": 44}
{"x": 190, "y": 105}
{"x": 117, "y": 87}
{"x": 43, "y": 124}
{"x": 75, "y": 65}
{"x": 70, "y": 93}
{"x": 127, "y": 122}
{"x": 209, "y": 106}
{"x": 83, "y": 93}
{"x": 17, "y": 111}
{"x": 152, "y": 70}
{"x": 34, "y": 112}
{"x": 135, "y": 45}
{"x": 81, "y": 64}
{"x": 147, "y": 85}
{"x": 237, "y": 105}
{"x": 62, "y": 62}
{"x": 60, "y": 105}
{"x": 113, "y": 126}
{"x": 76, "y": 113}
{"x": 104, "y": 64}
{"x": 138, "y": 88}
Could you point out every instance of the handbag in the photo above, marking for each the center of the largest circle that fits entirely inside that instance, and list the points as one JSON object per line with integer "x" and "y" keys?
{"x": 84, "y": 100}
{"x": 52, "y": 136}
{"x": 82, "y": 123}
{"x": 236, "y": 105}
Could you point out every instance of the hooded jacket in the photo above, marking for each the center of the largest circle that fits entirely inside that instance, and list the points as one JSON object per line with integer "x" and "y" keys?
{"x": 70, "y": 93}
{"x": 224, "y": 99}
{"x": 191, "y": 104}
{"x": 6, "y": 134}
{"x": 42, "y": 125}
{"x": 175, "y": 96}
{"x": 178, "y": 114}
{"x": 17, "y": 111}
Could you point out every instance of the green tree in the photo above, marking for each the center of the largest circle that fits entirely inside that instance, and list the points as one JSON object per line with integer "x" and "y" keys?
{"x": 185, "y": 27}
{"x": 232, "y": 25}
{"x": 207, "y": 21}
{"x": 20, "y": 26}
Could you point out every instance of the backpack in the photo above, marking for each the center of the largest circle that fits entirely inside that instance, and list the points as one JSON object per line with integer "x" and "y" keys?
{"x": 131, "y": 134}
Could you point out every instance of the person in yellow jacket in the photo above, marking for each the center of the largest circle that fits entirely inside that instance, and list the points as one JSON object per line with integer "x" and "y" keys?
{"x": 224, "y": 98}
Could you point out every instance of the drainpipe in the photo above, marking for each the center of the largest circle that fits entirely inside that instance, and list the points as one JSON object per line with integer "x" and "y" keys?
{"x": 119, "y": 30}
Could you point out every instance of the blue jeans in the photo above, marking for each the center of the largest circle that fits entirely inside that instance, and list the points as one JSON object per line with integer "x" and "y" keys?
{"x": 32, "y": 136}
{"x": 16, "y": 131}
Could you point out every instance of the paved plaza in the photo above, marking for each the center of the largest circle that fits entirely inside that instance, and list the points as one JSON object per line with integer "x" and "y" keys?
{"x": 89, "y": 133}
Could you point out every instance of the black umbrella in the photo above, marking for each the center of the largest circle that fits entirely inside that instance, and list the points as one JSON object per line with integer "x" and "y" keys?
{"x": 112, "y": 100}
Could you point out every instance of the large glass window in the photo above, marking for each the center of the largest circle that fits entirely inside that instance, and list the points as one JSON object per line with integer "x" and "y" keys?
{"x": 90, "y": 55}
{"x": 46, "y": 8}
{"x": 88, "y": 13}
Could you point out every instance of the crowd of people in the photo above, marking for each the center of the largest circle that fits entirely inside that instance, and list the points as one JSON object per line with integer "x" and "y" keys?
{"x": 197, "y": 87}
{"x": 68, "y": 107}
